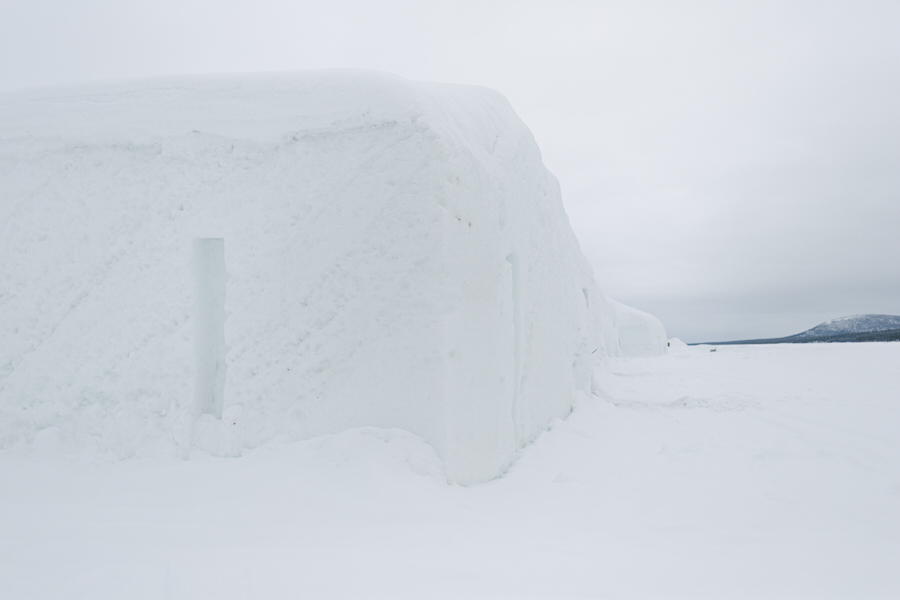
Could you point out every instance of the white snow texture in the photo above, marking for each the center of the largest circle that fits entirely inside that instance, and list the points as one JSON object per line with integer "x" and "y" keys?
{"x": 397, "y": 256}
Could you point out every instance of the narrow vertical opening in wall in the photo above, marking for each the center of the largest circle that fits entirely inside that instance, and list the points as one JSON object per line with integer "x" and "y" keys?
{"x": 587, "y": 298}
{"x": 208, "y": 260}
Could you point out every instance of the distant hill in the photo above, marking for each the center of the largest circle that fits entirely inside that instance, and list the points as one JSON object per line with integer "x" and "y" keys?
{"x": 858, "y": 328}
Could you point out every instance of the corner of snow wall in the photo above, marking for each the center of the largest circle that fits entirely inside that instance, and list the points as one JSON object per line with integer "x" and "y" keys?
{"x": 398, "y": 256}
{"x": 522, "y": 336}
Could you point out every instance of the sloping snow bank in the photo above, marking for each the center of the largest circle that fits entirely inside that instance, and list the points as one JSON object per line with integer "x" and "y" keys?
{"x": 396, "y": 253}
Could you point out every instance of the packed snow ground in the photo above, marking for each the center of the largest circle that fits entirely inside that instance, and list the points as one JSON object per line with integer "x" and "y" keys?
{"x": 749, "y": 472}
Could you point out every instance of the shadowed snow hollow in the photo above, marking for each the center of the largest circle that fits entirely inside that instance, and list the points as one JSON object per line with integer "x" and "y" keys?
{"x": 396, "y": 256}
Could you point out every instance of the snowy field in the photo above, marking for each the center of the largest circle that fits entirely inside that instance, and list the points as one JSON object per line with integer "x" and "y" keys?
{"x": 748, "y": 472}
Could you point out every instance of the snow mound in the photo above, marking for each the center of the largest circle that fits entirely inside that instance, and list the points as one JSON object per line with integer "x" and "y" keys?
{"x": 637, "y": 333}
{"x": 396, "y": 256}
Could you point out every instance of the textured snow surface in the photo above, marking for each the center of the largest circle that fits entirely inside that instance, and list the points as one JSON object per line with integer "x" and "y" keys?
{"x": 396, "y": 256}
{"x": 749, "y": 472}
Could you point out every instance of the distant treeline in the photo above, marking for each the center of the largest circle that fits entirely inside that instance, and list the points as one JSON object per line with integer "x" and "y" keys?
{"x": 890, "y": 335}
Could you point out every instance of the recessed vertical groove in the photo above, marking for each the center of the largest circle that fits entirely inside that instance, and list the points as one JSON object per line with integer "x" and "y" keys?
{"x": 518, "y": 318}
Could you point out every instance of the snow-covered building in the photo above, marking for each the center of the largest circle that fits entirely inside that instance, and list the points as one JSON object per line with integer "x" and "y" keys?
{"x": 395, "y": 255}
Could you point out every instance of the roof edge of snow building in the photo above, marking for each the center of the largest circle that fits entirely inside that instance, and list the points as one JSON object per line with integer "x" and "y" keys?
{"x": 257, "y": 106}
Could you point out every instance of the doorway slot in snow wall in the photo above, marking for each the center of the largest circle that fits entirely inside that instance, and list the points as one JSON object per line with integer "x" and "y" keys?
{"x": 209, "y": 325}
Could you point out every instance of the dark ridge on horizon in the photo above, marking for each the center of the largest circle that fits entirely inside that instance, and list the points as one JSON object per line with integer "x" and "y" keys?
{"x": 858, "y": 328}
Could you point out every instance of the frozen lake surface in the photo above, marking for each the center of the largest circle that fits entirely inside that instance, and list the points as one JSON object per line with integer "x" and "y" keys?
{"x": 748, "y": 472}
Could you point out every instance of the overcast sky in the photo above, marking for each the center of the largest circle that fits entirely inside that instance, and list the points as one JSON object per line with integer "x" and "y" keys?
{"x": 730, "y": 167}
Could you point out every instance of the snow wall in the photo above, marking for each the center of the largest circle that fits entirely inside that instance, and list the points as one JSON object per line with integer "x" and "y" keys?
{"x": 396, "y": 255}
